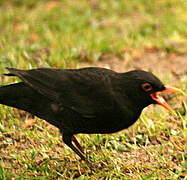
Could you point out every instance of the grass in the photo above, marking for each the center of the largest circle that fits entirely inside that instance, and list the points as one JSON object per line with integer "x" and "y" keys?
{"x": 66, "y": 34}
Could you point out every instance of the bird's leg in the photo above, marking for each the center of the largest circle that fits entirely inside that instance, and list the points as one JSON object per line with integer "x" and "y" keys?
{"x": 68, "y": 141}
{"x": 77, "y": 144}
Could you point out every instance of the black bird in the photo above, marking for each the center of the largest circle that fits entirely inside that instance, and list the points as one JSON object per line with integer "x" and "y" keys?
{"x": 88, "y": 100}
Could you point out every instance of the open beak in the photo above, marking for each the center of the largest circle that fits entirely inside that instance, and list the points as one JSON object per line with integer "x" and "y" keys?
{"x": 160, "y": 100}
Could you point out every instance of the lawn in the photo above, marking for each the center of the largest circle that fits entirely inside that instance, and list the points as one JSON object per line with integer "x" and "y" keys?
{"x": 116, "y": 34}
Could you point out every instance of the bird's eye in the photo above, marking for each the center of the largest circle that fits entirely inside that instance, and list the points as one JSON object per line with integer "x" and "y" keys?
{"x": 146, "y": 87}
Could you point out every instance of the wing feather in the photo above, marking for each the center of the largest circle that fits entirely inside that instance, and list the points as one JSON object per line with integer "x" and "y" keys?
{"x": 75, "y": 89}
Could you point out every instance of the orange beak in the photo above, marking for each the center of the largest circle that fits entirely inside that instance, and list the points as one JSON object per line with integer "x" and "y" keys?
{"x": 160, "y": 100}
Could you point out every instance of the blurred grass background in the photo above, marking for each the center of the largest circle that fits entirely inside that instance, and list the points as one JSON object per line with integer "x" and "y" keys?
{"x": 66, "y": 34}
{"x": 52, "y": 33}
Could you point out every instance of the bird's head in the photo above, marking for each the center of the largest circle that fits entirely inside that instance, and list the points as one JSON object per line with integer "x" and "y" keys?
{"x": 145, "y": 89}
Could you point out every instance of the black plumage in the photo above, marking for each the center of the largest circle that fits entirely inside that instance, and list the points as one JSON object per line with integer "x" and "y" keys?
{"x": 87, "y": 100}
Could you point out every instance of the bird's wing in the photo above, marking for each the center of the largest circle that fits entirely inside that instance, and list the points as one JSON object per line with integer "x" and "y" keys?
{"x": 84, "y": 91}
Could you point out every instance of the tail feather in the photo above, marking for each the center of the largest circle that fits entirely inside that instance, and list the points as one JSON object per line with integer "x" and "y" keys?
{"x": 21, "y": 96}
{"x": 8, "y": 74}
{"x": 12, "y": 72}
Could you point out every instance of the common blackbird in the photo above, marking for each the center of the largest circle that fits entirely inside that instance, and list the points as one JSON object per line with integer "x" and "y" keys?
{"x": 87, "y": 100}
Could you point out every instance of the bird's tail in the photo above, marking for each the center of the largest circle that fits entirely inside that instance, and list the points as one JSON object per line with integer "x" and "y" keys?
{"x": 11, "y": 94}
{"x": 23, "y": 97}
{"x": 12, "y": 72}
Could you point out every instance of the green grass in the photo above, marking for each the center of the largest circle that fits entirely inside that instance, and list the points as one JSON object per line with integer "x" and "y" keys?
{"x": 68, "y": 33}
{"x": 52, "y": 33}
